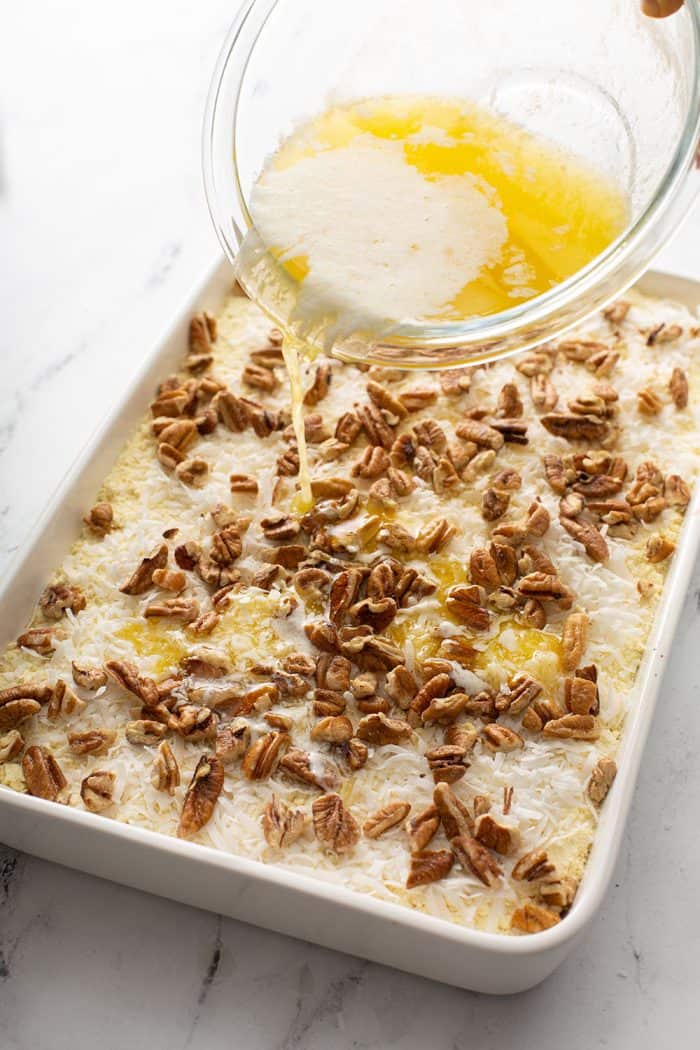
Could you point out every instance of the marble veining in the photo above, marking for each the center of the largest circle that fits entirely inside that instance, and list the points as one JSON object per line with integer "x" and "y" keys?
{"x": 103, "y": 230}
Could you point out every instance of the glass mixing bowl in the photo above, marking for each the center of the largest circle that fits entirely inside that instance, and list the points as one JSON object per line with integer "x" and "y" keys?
{"x": 598, "y": 78}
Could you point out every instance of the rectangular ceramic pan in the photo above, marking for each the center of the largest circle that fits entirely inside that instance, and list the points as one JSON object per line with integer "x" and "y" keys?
{"x": 263, "y": 894}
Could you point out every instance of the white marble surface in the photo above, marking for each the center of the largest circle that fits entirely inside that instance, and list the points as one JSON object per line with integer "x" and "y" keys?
{"x": 103, "y": 228}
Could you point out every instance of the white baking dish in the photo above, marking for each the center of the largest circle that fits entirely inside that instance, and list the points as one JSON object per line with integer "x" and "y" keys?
{"x": 266, "y": 895}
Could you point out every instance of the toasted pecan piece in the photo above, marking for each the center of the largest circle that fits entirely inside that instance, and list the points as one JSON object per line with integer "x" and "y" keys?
{"x": 57, "y": 598}
{"x": 377, "y": 729}
{"x": 573, "y": 727}
{"x": 429, "y": 866}
{"x": 533, "y": 918}
{"x": 42, "y": 773}
{"x": 500, "y": 837}
{"x": 501, "y": 738}
{"x": 467, "y": 603}
{"x": 574, "y": 427}
{"x": 142, "y": 578}
{"x": 659, "y": 548}
{"x": 386, "y": 818}
{"x": 202, "y": 796}
{"x": 533, "y": 865}
{"x": 476, "y": 859}
{"x": 573, "y": 639}
{"x": 100, "y": 518}
{"x": 41, "y": 639}
{"x": 591, "y": 539}
{"x": 126, "y": 675}
{"x": 601, "y": 779}
{"x": 165, "y": 774}
{"x": 454, "y": 815}
{"x": 11, "y": 745}
{"x": 92, "y": 741}
{"x": 282, "y": 825}
{"x": 678, "y": 387}
{"x": 97, "y": 790}
{"x": 334, "y": 729}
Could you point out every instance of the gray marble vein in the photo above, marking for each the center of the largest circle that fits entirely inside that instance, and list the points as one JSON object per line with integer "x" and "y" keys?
{"x": 103, "y": 230}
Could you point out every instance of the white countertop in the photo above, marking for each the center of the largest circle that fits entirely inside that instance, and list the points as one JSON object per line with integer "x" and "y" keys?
{"x": 103, "y": 228}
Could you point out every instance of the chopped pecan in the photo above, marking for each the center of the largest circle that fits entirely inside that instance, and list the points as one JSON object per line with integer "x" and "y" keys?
{"x": 91, "y": 742}
{"x": 676, "y": 491}
{"x": 648, "y": 402}
{"x": 386, "y": 402}
{"x": 588, "y": 536}
{"x": 477, "y": 860}
{"x": 321, "y": 384}
{"x": 42, "y": 773}
{"x": 467, "y": 604}
{"x": 194, "y": 723}
{"x": 447, "y": 763}
{"x": 581, "y": 695}
{"x": 537, "y": 363}
{"x": 16, "y": 708}
{"x": 400, "y": 686}
{"x": 262, "y": 759}
{"x": 520, "y": 692}
{"x": 557, "y": 474}
{"x": 514, "y": 431}
{"x": 289, "y": 555}
{"x": 282, "y": 825}
{"x": 616, "y": 312}
{"x": 373, "y": 462}
{"x": 335, "y": 729}
{"x": 202, "y": 795}
{"x": 145, "y": 731}
{"x": 232, "y": 411}
{"x": 601, "y": 779}
{"x": 352, "y": 756}
{"x": 243, "y": 483}
{"x": 664, "y": 333}
{"x": 438, "y": 685}
{"x": 141, "y": 579}
{"x": 573, "y": 639}
{"x": 260, "y": 377}
{"x": 87, "y": 676}
{"x": 456, "y": 818}
{"x": 435, "y": 536}
{"x": 375, "y": 425}
{"x": 483, "y": 570}
{"x": 575, "y": 427}
{"x": 342, "y": 595}
{"x": 41, "y": 639}
{"x": 422, "y": 828}
{"x": 501, "y": 838}
{"x": 61, "y": 596}
{"x": 168, "y": 456}
{"x": 11, "y": 745}
{"x": 501, "y": 738}
{"x": 480, "y": 434}
{"x": 544, "y": 395}
{"x": 678, "y": 387}
{"x": 509, "y": 405}
{"x": 100, "y": 518}
{"x": 377, "y": 729}
{"x": 573, "y": 727}
{"x": 531, "y": 866}
{"x": 165, "y": 775}
{"x": 455, "y": 381}
{"x": 232, "y": 741}
{"x": 494, "y": 504}
{"x": 323, "y": 635}
{"x": 373, "y": 653}
{"x": 558, "y": 892}
{"x": 97, "y": 790}
{"x": 193, "y": 472}
{"x": 533, "y": 918}
{"x": 445, "y": 709}
{"x": 334, "y": 825}
{"x": 429, "y": 866}
{"x": 202, "y": 333}
{"x": 170, "y": 580}
{"x": 126, "y": 675}
{"x": 659, "y": 548}
{"x": 385, "y": 819}
{"x": 185, "y": 609}
{"x": 544, "y": 587}
{"x": 317, "y": 772}
{"x": 418, "y": 397}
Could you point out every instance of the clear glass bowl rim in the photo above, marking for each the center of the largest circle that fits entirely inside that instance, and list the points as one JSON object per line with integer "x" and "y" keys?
{"x": 491, "y": 328}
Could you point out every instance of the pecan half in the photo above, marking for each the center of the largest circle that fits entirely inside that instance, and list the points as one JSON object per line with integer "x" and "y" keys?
{"x": 519, "y": 693}
{"x": 648, "y": 402}
{"x": 262, "y": 759}
{"x": 375, "y": 425}
{"x": 386, "y": 401}
{"x": 664, "y": 333}
{"x": 232, "y": 741}
{"x": 573, "y": 640}
{"x": 447, "y": 763}
{"x": 422, "y": 828}
{"x": 202, "y": 795}
{"x": 42, "y": 773}
{"x": 334, "y": 825}
{"x": 544, "y": 395}
{"x": 435, "y": 536}
{"x": 41, "y": 639}
{"x": 282, "y": 825}
{"x": 480, "y": 434}
{"x": 185, "y": 609}
{"x": 15, "y": 709}
{"x": 145, "y": 731}
{"x": 494, "y": 504}
{"x": 678, "y": 387}
{"x": 477, "y": 860}
{"x": 601, "y": 779}
{"x": 676, "y": 492}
